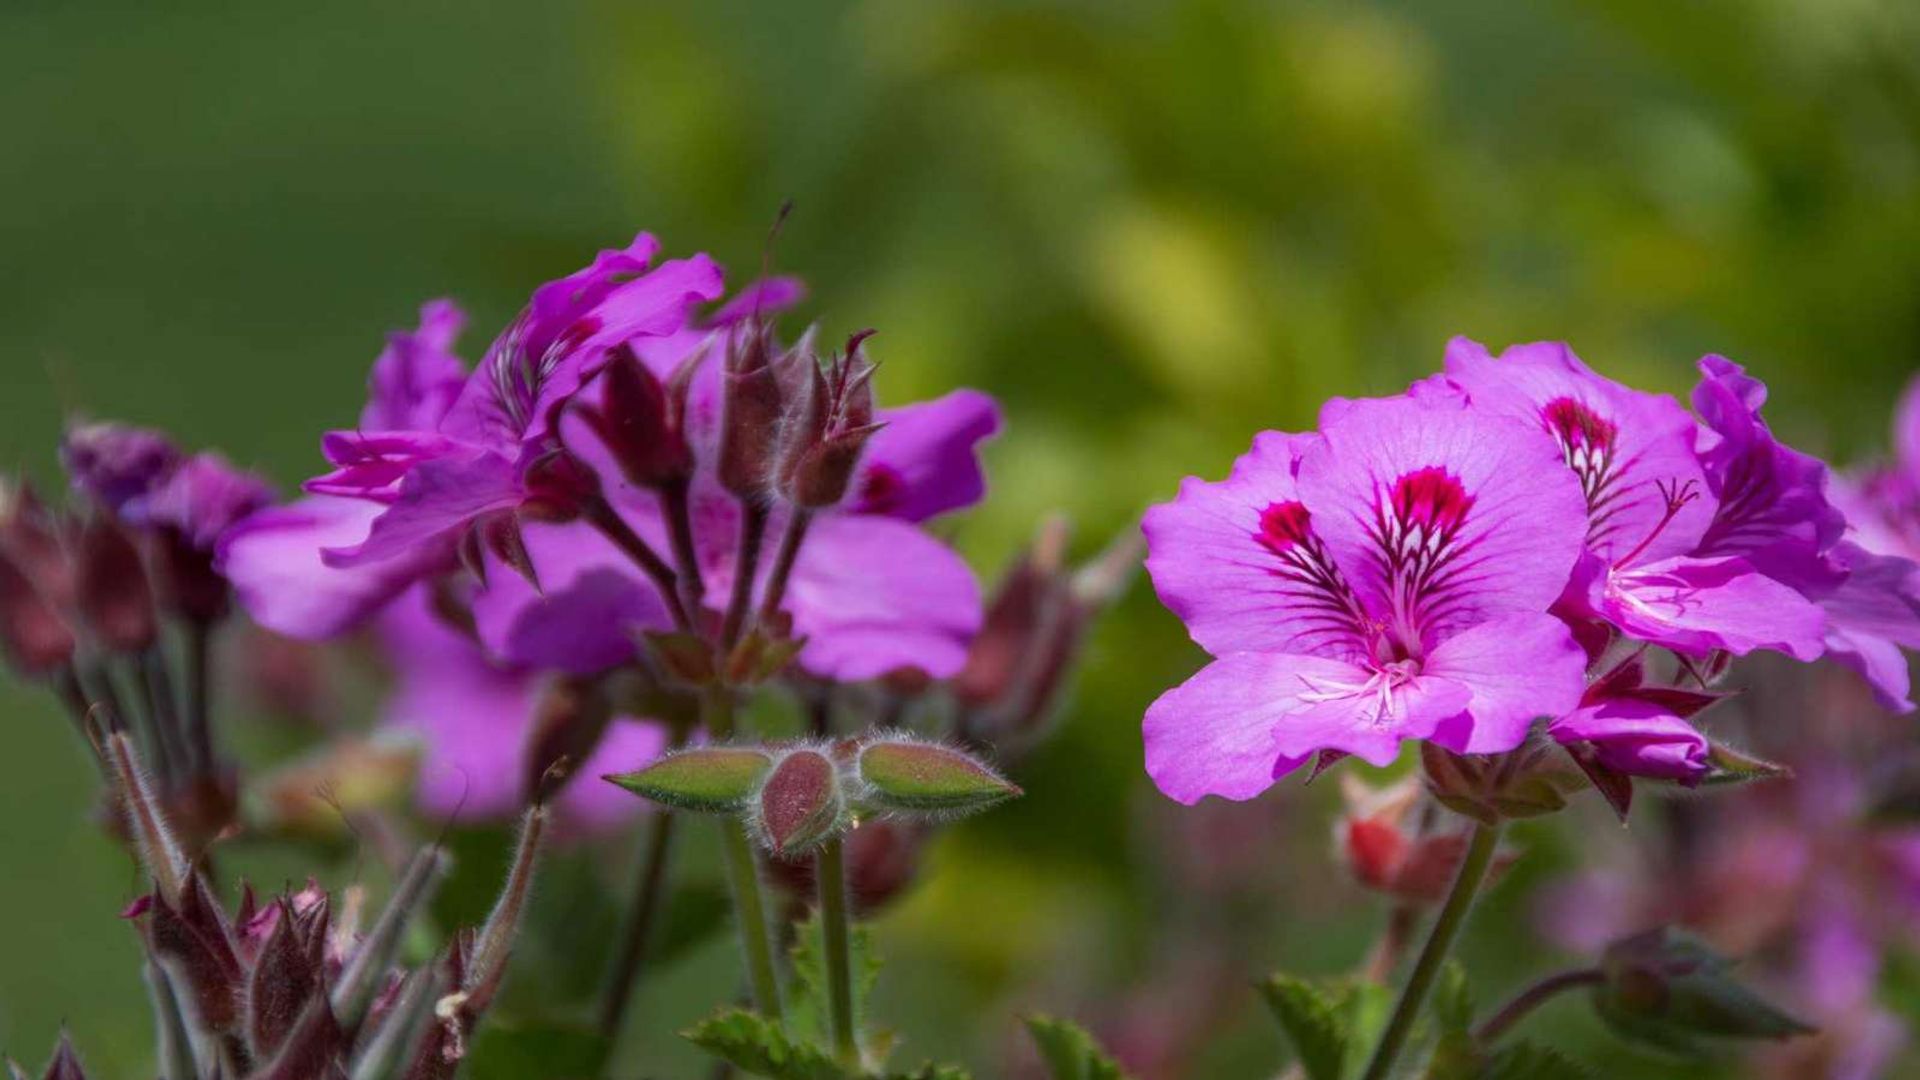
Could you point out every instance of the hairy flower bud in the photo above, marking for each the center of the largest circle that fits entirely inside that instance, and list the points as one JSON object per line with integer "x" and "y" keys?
{"x": 640, "y": 421}
{"x": 800, "y": 804}
{"x": 1667, "y": 989}
{"x": 828, "y": 422}
{"x": 708, "y": 779}
{"x": 750, "y": 414}
{"x": 115, "y": 600}
{"x": 1391, "y": 846}
{"x": 908, "y": 776}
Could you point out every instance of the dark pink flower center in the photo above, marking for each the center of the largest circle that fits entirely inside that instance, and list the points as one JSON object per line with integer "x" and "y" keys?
{"x": 1282, "y": 526}
{"x": 1430, "y": 500}
{"x": 1416, "y": 525}
{"x": 1586, "y": 438}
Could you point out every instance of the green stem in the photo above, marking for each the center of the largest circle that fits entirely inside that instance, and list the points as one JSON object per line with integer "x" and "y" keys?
{"x": 1446, "y": 927}
{"x": 648, "y": 891}
{"x": 830, "y": 870}
{"x": 743, "y": 876}
{"x": 743, "y": 873}
{"x": 1532, "y": 998}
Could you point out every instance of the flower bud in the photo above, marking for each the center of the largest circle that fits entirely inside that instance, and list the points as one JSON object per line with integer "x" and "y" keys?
{"x": 640, "y": 421}
{"x": 750, "y": 414}
{"x": 1391, "y": 846}
{"x": 908, "y": 776}
{"x": 708, "y": 779}
{"x": 64, "y": 1065}
{"x": 800, "y": 804}
{"x": 31, "y": 536}
{"x": 1029, "y": 596}
{"x": 827, "y": 425}
{"x": 1491, "y": 788}
{"x": 36, "y": 640}
{"x": 114, "y": 598}
{"x": 1667, "y": 989}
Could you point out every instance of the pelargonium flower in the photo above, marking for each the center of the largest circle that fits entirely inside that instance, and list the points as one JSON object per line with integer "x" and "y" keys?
{"x": 871, "y": 592}
{"x": 474, "y": 715}
{"x": 276, "y": 558}
{"x": 1774, "y": 511}
{"x": 1663, "y": 562}
{"x": 495, "y": 449}
{"x": 1637, "y": 729}
{"x": 1383, "y": 580}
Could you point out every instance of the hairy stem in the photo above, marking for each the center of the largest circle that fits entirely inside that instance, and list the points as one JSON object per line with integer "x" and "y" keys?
{"x": 600, "y": 514}
{"x": 680, "y": 533}
{"x": 753, "y": 529}
{"x": 743, "y": 874}
{"x": 1446, "y": 927}
{"x": 1532, "y": 998}
{"x": 830, "y": 870}
{"x": 783, "y": 562}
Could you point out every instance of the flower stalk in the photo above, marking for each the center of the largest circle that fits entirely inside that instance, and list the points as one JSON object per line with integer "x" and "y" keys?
{"x": 1531, "y": 998}
{"x": 1446, "y": 928}
{"x": 830, "y": 868}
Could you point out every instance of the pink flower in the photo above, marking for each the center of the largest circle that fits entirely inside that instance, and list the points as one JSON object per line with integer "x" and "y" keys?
{"x": 871, "y": 592}
{"x": 1387, "y": 579}
{"x": 1650, "y": 507}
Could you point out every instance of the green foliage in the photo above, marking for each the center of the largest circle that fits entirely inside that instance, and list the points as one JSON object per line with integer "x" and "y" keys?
{"x": 1455, "y": 1054}
{"x": 1523, "y": 1060}
{"x": 507, "y": 1051}
{"x": 1315, "y": 1023}
{"x": 756, "y": 1045}
{"x": 1668, "y": 990}
{"x": 1070, "y": 1051}
{"x": 807, "y": 1008}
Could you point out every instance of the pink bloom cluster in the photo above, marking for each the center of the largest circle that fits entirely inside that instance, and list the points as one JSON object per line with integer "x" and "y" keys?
{"x": 1498, "y": 547}
{"x": 514, "y": 471}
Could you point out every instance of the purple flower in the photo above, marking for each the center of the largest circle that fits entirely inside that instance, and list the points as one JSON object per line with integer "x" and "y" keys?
{"x": 870, "y": 592}
{"x": 1387, "y": 579}
{"x": 275, "y": 558}
{"x": 202, "y": 499}
{"x": 473, "y": 717}
{"x": 1774, "y": 512}
{"x": 114, "y": 463}
{"x": 1637, "y": 729}
{"x": 495, "y": 448}
{"x": 1650, "y": 507}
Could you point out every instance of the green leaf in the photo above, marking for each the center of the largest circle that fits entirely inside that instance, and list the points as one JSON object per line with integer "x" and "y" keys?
{"x": 757, "y": 1045}
{"x": 709, "y": 779}
{"x": 507, "y": 1051}
{"x": 1524, "y": 1060}
{"x": 1456, "y": 1056}
{"x": 908, "y": 776}
{"x": 1314, "y": 1023}
{"x": 933, "y": 1072}
{"x": 807, "y": 1011}
{"x": 1070, "y": 1052}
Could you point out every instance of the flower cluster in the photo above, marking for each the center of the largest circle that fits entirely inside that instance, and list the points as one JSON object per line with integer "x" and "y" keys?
{"x": 1506, "y": 543}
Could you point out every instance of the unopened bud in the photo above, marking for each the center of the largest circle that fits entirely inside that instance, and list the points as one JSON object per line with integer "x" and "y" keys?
{"x": 827, "y": 425}
{"x": 750, "y": 414}
{"x": 31, "y": 536}
{"x": 1028, "y": 597}
{"x": 709, "y": 779}
{"x": 114, "y": 598}
{"x": 36, "y": 640}
{"x": 1668, "y": 989}
{"x": 494, "y": 944}
{"x": 1525, "y": 783}
{"x": 909, "y": 776}
{"x": 800, "y": 804}
{"x": 640, "y": 421}
{"x": 65, "y": 1063}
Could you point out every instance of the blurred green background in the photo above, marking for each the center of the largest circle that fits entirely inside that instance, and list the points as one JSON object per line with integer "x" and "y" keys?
{"x": 1151, "y": 228}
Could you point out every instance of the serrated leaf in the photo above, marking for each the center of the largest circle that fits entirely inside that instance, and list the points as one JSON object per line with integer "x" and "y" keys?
{"x": 710, "y": 779}
{"x": 1531, "y": 1061}
{"x": 807, "y": 1012}
{"x": 1313, "y": 1022}
{"x": 1070, "y": 1051}
{"x": 758, "y": 1046}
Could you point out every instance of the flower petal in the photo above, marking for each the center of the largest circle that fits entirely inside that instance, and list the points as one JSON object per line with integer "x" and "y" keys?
{"x": 585, "y": 617}
{"x": 1518, "y": 669}
{"x": 1695, "y": 606}
{"x": 274, "y": 560}
{"x": 926, "y": 460}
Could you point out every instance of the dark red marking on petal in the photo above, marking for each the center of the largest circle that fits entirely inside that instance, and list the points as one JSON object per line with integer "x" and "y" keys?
{"x": 1432, "y": 499}
{"x": 1283, "y": 525}
{"x": 882, "y": 489}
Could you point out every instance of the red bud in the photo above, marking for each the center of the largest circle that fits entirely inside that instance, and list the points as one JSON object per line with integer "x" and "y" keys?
{"x": 800, "y": 804}
{"x": 114, "y": 597}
